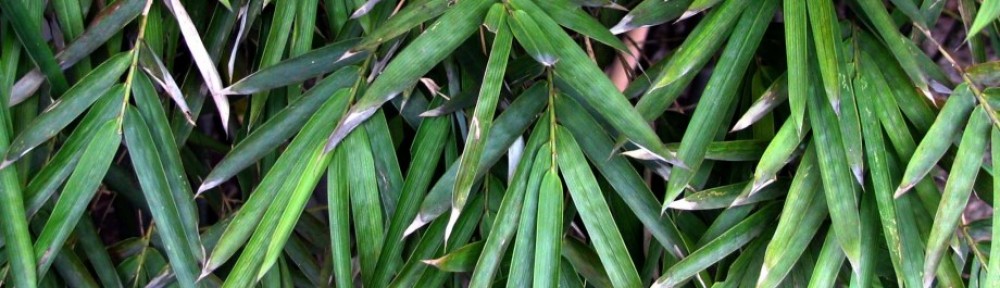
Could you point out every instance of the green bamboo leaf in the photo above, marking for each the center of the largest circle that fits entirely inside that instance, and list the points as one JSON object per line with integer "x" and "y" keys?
{"x": 720, "y": 94}
{"x": 939, "y": 138}
{"x": 516, "y": 213}
{"x": 775, "y": 94}
{"x": 426, "y": 151}
{"x": 149, "y": 106}
{"x": 278, "y": 128}
{"x": 850, "y": 127}
{"x": 901, "y": 249}
{"x": 97, "y": 253}
{"x": 70, "y": 105}
{"x": 149, "y": 170}
{"x": 338, "y": 195}
{"x": 549, "y": 230}
{"x": 580, "y": 73}
{"x": 826, "y": 36}
{"x": 482, "y": 118}
{"x": 462, "y": 259}
{"x": 840, "y": 189}
{"x": 989, "y": 11}
{"x": 47, "y": 180}
{"x": 70, "y": 18}
{"x": 29, "y": 32}
{"x": 777, "y": 154}
{"x": 620, "y": 173}
{"x": 736, "y": 150}
{"x": 719, "y": 248}
{"x": 80, "y": 188}
{"x": 726, "y": 196}
{"x": 956, "y": 190}
{"x": 390, "y": 176}
{"x": 828, "y": 263}
{"x": 436, "y": 43}
{"x": 797, "y": 46}
{"x": 993, "y": 271}
{"x": 411, "y": 16}
{"x": 18, "y": 249}
{"x": 699, "y": 5}
{"x": 869, "y": 226}
{"x": 917, "y": 109}
{"x": 573, "y": 17}
{"x": 506, "y": 129}
{"x": 531, "y": 36}
{"x": 314, "y": 63}
{"x": 365, "y": 207}
{"x": 649, "y": 13}
{"x": 274, "y": 48}
{"x": 585, "y": 261}
{"x": 111, "y": 20}
{"x": 464, "y": 228}
{"x": 253, "y": 211}
{"x": 594, "y": 211}
{"x": 703, "y": 42}
{"x": 904, "y": 50}
{"x": 801, "y": 217}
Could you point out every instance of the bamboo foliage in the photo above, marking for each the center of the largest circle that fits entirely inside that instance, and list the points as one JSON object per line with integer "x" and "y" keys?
{"x": 518, "y": 143}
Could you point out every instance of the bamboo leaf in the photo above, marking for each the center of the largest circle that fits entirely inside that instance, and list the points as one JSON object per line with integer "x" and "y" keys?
{"x": 549, "y": 230}
{"x": 989, "y": 11}
{"x": 462, "y": 259}
{"x": 439, "y": 40}
{"x": 956, "y": 190}
{"x": 80, "y": 188}
{"x": 937, "y": 140}
{"x": 594, "y": 211}
{"x": 720, "y": 94}
{"x": 58, "y": 115}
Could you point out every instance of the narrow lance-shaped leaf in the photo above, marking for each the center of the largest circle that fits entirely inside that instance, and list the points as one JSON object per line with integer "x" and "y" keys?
{"x": 717, "y": 249}
{"x": 462, "y": 259}
{"x": 797, "y": 54}
{"x": 580, "y": 73}
{"x": 838, "y": 185}
{"x": 79, "y": 189}
{"x": 776, "y": 94}
{"x": 901, "y": 248}
{"x": 803, "y": 213}
{"x": 516, "y": 215}
{"x": 51, "y": 176}
{"x": 412, "y": 15}
{"x": 620, "y": 173}
{"x": 510, "y": 125}
{"x": 993, "y": 270}
{"x": 529, "y": 34}
{"x": 436, "y": 43}
{"x": 338, "y": 199}
{"x": 650, "y": 12}
{"x": 365, "y": 207}
{"x": 149, "y": 170}
{"x": 249, "y": 216}
{"x": 726, "y": 197}
{"x": 278, "y": 128}
{"x": 939, "y": 138}
{"x": 828, "y": 263}
{"x": 549, "y": 230}
{"x": 576, "y": 19}
{"x": 826, "y": 36}
{"x": 594, "y": 212}
{"x": 112, "y": 19}
{"x": 426, "y": 151}
{"x": 76, "y": 100}
{"x": 482, "y": 120}
{"x": 274, "y": 48}
{"x": 20, "y": 257}
{"x": 957, "y": 190}
{"x": 988, "y": 13}
{"x": 720, "y": 94}
{"x": 30, "y": 33}
{"x": 523, "y": 257}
